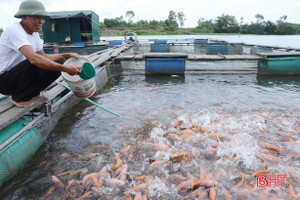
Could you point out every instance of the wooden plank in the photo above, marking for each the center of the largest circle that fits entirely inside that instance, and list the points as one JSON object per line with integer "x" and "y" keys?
{"x": 96, "y": 55}
{"x": 279, "y": 54}
{"x": 5, "y": 104}
{"x": 55, "y": 91}
{"x": 15, "y": 113}
{"x": 118, "y": 51}
{"x": 273, "y": 47}
{"x": 155, "y": 55}
{"x": 139, "y": 56}
{"x": 191, "y": 57}
{"x": 108, "y": 55}
{"x": 242, "y": 57}
{"x": 208, "y": 57}
{"x": 124, "y": 57}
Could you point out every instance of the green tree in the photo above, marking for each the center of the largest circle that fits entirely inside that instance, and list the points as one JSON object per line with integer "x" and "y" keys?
{"x": 282, "y": 19}
{"x": 259, "y": 18}
{"x": 143, "y": 23}
{"x": 171, "y": 22}
{"x": 255, "y": 28}
{"x": 130, "y": 15}
{"x": 117, "y": 22}
{"x": 270, "y": 27}
{"x": 181, "y": 18}
{"x": 226, "y": 24}
{"x": 286, "y": 29}
{"x": 205, "y": 26}
{"x": 155, "y": 24}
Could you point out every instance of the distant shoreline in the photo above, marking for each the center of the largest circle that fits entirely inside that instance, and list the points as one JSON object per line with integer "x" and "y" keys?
{"x": 155, "y": 31}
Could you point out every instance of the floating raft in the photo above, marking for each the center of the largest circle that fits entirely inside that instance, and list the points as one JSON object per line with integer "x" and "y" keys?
{"x": 191, "y": 57}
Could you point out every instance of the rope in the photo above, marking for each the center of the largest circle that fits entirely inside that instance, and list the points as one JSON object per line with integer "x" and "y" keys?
{"x": 96, "y": 104}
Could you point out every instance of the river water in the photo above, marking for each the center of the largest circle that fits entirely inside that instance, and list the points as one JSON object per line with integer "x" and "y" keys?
{"x": 272, "y": 40}
{"x": 231, "y": 126}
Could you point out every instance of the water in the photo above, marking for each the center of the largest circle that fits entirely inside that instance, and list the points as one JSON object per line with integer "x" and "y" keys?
{"x": 292, "y": 41}
{"x": 241, "y": 110}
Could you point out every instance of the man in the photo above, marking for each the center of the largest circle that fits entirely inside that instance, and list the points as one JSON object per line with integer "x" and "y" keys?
{"x": 25, "y": 70}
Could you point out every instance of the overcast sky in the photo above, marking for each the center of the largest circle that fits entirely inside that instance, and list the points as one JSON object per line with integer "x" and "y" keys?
{"x": 159, "y": 9}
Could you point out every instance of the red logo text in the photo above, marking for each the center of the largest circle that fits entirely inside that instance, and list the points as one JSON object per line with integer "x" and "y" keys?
{"x": 263, "y": 180}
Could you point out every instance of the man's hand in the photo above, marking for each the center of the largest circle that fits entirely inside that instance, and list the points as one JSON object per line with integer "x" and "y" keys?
{"x": 73, "y": 70}
{"x": 72, "y": 55}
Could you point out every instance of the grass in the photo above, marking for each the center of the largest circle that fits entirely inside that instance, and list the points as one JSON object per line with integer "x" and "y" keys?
{"x": 160, "y": 31}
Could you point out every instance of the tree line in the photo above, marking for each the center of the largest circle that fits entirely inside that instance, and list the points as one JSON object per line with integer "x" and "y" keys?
{"x": 171, "y": 23}
{"x": 222, "y": 24}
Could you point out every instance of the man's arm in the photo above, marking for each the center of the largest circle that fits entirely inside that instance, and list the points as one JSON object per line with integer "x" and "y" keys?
{"x": 56, "y": 57}
{"x": 42, "y": 61}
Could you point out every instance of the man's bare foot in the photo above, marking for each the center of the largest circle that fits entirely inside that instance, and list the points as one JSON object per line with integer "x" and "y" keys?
{"x": 24, "y": 104}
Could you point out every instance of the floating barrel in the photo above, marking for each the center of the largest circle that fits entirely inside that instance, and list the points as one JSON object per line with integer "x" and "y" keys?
{"x": 202, "y": 48}
{"x": 280, "y": 65}
{"x": 160, "y": 41}
{"x": 200, "y": 45}
{"x": 17, "y": 153}
{"x": 115, "y": 42}
{"x": 49, "y": 50}
{"x": 79, "y": 44}
{"x": 259, "y": 49}
{"x": 200, "y": 41}
{"x": 217, "y": 47}
{"x": 160, "y": 48}
{"x": 235, "y": 49}
{"x": 165, "y": 65}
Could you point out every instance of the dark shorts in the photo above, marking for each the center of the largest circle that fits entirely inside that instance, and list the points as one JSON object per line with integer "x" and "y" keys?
{"x": 25, "y": 81}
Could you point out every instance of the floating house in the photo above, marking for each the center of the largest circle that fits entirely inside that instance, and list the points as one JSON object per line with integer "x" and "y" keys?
{"x": 72, "y": 26}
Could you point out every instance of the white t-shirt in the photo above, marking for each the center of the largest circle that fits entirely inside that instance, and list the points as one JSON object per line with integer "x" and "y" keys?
{"x": 11, "y": 40}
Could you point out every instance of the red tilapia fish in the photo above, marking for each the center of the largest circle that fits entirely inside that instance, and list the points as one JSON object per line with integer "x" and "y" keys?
{"x": 192, "y": 161}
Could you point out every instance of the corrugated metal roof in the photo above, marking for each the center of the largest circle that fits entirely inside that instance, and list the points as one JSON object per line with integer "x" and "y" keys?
{"x": 71, "y": 13}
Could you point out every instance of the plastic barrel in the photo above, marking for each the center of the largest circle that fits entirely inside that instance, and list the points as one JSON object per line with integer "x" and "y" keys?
{"x": 281, "y": 65}
{"x": 200, "y": 41}
{"x": 258, "y": 49}
{"x": 115, "y": 42}
{"x": 164, "y": 65}
{"x": 80, "y": 87}
{"x": 160, "y": 48}
{"x": 235, "y": 49}
{"x": 217, "y": 48}
{"x": 160, "y": 41}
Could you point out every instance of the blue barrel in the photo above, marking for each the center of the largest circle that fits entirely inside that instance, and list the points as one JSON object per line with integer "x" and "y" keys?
{"x": 217, "y": 48}
{"x": 160, "y": 48}
{"x": 259, "y": 49}
{"x": 160, "y": 41}
{"x": 79, "y": 44}
{"x": 235, "y": 49}
{"x": 165, "y": 65}
{"x": 200, "y": 41}
{"x": 115, "y": 42}
{"x": 202, "y": 48}
{"x": 48, "y": 50}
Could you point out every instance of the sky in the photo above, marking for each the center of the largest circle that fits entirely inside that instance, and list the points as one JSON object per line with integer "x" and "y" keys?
{"x": 159, "y": 9}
